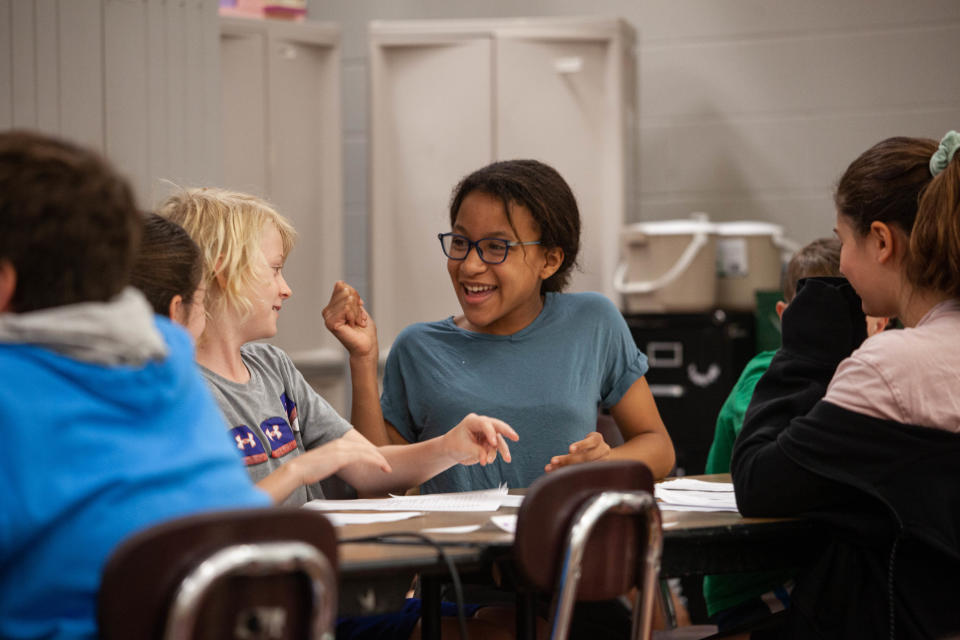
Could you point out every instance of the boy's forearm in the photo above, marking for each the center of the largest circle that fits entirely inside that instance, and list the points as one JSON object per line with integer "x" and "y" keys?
{"x": 412, "y": 464}
{"x": 280, "y": 483}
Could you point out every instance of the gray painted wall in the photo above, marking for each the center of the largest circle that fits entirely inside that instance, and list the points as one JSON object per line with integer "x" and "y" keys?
{"x": 749, "y": 109}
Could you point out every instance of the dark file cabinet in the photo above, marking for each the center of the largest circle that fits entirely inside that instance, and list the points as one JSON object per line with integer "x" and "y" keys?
{"x": 695, "y": 359}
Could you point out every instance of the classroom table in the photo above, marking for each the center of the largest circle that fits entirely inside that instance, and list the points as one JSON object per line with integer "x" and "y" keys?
{"x": 374, "y": 576}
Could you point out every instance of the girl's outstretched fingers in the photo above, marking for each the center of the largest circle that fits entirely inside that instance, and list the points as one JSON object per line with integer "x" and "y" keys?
{"x": 591, "y": 448}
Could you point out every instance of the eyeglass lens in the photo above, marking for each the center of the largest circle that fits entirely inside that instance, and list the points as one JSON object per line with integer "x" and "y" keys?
{"x": 491, "y": 250}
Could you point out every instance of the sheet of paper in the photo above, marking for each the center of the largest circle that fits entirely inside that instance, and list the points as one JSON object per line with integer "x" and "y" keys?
{"x": 340, "y": 519}
{"x": 510, "y": 500}
{"x": 692, "y": 484}
{"x": 467, "y": 528}
{"x": 693, "y": 498}
{"x": 702, "y": 509}
{"x": 486, "y": 500}
{"x": 508, "y": 523}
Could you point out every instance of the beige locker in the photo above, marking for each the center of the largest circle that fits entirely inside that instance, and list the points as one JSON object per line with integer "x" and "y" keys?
{"x": 448, "y": 97}
{"x": 282, "y": 141}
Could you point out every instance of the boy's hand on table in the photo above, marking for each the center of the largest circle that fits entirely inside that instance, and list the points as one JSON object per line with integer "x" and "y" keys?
{"x": 346, "y": 319}
{"x": 478, "y": 439}
{"x": 590, "y": 449}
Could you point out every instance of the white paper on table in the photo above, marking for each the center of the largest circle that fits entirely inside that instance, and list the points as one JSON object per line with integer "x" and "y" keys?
{"x": 671, "y": 499}
{"x": 485, "y": 500}
{"x": 511, "y": 500}
{"x": 704, "y": 508}
{"x": 467, "y": 528}
{"x": 692, "y": 484}
{"x": 341, "y": 519}
{"x": 508, "y": 522}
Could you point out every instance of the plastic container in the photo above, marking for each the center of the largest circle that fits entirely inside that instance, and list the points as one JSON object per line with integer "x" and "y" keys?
{"x": 750, "y": 258}
{"x": 668, "y": 266}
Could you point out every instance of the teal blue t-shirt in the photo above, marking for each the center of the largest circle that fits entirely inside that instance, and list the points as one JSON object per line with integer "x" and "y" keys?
{"x": 546, "y": 381}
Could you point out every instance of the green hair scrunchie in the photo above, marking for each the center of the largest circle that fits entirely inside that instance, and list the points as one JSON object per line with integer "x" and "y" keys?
{"x": 944, "y": 154}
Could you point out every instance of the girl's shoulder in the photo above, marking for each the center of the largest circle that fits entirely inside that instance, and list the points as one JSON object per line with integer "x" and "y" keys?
{"x": 584, "y": 300}
{"x": 899, "y": 375}
{"x": 425, "y": 330}
{"x": 583, "y": 304}
{"x": 932, "y": 338}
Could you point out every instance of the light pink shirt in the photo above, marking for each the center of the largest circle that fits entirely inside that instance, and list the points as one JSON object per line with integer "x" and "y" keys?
{"x": 910, "y": 375}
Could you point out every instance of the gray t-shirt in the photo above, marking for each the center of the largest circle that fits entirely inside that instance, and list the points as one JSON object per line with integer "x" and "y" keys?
{"x": 276, "y": 415}
{"x": 546, "y": 381}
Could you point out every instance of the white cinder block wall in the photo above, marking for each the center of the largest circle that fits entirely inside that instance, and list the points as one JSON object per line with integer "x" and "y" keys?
{"x": 749, "y": 109}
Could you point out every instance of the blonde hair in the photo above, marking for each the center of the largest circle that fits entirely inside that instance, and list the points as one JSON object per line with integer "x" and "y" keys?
{"x": 228, "y": 227}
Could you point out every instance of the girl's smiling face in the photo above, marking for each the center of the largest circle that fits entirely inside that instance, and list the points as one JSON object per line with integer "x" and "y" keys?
{"x": 500, "y": 298}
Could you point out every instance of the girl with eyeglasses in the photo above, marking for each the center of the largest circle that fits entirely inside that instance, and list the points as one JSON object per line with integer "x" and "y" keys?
{"x": 544, "y": 361}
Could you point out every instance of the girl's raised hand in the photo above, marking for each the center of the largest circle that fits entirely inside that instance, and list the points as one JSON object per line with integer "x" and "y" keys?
{"x": 346, "y": 319}
{"x": 591, "y": 448}
{"x": 477, "y": 439}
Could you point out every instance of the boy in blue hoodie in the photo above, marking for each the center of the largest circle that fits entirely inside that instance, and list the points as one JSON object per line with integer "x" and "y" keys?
{"x": 107, "y": 425}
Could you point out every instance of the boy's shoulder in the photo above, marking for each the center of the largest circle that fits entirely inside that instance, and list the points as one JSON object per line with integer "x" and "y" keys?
{"x": 264, "y": 351}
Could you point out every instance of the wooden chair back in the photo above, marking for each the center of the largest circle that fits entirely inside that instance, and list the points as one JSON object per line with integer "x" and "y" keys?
{"x": 591, "y": 532}
{"x": 264, "y": 574}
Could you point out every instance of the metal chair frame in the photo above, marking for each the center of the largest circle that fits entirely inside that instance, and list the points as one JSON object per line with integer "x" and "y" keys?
{"x": 621, "y": 502}
{"x": 257, "y": 559}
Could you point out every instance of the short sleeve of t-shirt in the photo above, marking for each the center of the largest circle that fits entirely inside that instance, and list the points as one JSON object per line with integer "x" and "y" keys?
{"x": 276, "y": 415}
{"x": 318, "y": 422}
{"x": 547, "y": 381}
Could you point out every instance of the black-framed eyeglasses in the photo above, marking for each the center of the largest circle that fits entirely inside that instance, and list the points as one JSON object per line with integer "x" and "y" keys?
{"x": 490, "y": 250}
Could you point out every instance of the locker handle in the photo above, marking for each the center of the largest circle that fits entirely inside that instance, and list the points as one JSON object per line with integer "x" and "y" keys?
{"x": 568, "y": 65}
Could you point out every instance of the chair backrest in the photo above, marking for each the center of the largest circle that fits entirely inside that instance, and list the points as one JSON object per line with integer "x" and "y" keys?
{"x": 251, "y": 574}
{"x": 603, "y": 513}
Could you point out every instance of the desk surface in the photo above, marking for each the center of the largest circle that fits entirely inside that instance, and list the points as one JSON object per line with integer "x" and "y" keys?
{"x": 695, "y": 543}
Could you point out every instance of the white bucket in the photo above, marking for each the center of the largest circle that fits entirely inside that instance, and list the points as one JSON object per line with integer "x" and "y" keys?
{"x": 750, "y": 257}
{"x": 668, "y": 265}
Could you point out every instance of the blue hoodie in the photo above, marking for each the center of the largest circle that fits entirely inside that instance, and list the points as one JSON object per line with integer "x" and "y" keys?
{"x": 92, "y": 453}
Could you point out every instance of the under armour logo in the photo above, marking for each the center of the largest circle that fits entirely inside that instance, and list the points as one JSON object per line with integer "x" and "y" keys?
{"x": 273, "y": 434}
{"x": 243, "y": 443}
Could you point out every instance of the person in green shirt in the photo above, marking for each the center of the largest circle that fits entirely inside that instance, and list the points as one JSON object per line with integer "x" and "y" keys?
{"x": 740, "y": 600}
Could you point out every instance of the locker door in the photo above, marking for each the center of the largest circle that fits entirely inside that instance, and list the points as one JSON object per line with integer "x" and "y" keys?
{"x": 244, "y": 111}
{"x": 125, "y": 102}
{"x": 431, "y": 118}
{"x": 304, "y": 174}
{"x": 80, "y": 67}
{"x": 552, "y": 105}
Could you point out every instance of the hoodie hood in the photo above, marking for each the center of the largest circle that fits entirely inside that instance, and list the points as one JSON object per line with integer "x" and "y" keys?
{"x": 119, "y": 332}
